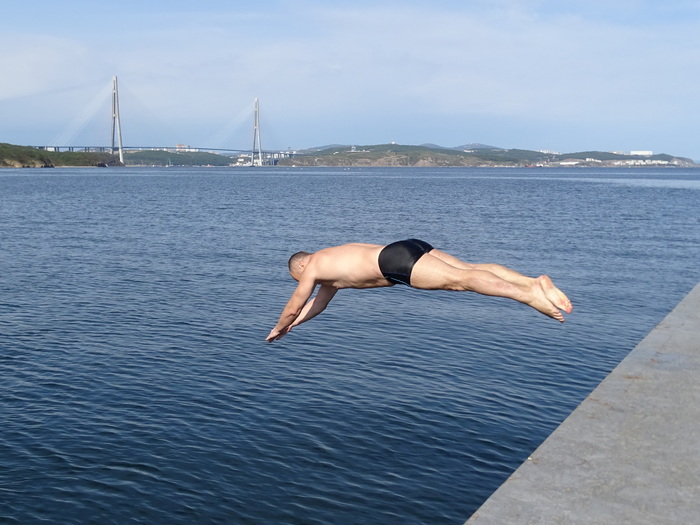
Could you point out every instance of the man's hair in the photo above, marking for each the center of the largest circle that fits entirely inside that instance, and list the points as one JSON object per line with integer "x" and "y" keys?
{"x": 295, "y": 259}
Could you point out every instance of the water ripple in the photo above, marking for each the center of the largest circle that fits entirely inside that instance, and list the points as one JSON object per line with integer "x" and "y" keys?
{"x": 136, "y": 386}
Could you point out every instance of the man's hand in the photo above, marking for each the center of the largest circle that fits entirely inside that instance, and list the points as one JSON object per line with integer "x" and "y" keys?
{"x": 277, "y": 334}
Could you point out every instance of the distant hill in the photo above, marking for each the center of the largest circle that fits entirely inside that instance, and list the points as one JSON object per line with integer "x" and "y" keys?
{"x": 175, "y": 158}
{"x": 379, "y": 155}
{"x": 323, "y": 148}
{"x": 471, "y": 155}
{"x": 12, "y": 156}
{"x": 433, "y": 146}
{"x": 474, "y": 145}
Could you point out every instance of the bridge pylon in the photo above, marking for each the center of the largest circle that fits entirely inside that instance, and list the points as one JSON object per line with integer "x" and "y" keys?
{"x": 116, "y": 122}
{"x": 256, "y": 137}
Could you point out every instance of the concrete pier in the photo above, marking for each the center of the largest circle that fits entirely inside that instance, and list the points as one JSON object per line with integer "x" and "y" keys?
{"x": 630, "y": 453}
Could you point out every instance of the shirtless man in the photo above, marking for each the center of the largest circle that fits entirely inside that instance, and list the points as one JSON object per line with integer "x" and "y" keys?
{"x": 413, "y": 263}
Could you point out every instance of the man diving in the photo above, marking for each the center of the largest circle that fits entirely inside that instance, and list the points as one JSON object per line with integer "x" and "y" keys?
{"x": 411, "y": 262}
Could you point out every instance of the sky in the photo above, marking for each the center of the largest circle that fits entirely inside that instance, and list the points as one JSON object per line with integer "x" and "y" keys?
{"x": 558, "y": 75}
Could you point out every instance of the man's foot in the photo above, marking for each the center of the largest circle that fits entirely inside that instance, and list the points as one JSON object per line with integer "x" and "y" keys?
{"x": 542, "y": 303}
{"x": 554, "y": 294}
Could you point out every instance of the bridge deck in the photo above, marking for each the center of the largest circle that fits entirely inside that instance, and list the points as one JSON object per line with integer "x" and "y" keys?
{"x": 630, "y": 453}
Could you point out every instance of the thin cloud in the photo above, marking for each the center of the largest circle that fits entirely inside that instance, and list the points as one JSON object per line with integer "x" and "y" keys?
{"x": 366, "y": 70}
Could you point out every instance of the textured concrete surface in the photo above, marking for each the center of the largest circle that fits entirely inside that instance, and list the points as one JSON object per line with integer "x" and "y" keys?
{"x": 630, "y": 453}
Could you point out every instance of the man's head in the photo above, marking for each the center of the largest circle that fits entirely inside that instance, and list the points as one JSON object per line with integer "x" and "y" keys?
{"x": 297, "y": 263}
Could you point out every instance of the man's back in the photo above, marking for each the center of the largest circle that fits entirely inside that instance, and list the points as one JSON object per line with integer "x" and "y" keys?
{"x": 348, "y": 266}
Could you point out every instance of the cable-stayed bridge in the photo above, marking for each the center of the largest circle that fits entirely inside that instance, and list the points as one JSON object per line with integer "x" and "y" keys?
{"x": 261, "y": 157}
{"x": 255, "y": 156}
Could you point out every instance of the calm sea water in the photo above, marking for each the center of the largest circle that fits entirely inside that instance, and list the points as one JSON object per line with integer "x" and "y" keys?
{"x": 136, "y": 386}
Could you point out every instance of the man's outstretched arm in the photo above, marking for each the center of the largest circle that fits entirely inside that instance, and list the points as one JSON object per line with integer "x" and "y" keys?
{"x": 315, "y": 306}
{"x": 309, "y": 310}
{"x": 293, "y": 308}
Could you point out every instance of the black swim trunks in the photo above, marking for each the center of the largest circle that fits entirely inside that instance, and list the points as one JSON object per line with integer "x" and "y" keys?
{"x": 396, "y": 260}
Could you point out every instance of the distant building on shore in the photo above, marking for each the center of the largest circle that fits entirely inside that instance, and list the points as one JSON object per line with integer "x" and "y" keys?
{"x": 642, "y": 153}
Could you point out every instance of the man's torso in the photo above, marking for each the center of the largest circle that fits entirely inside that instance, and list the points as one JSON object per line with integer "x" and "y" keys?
{"x": 348, "y": 266}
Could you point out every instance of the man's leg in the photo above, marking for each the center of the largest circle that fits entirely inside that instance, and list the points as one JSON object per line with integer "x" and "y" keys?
{"x": 553, "y": 293}
{"x": 431, "y": 272}
{"x": 502, "y": 271}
